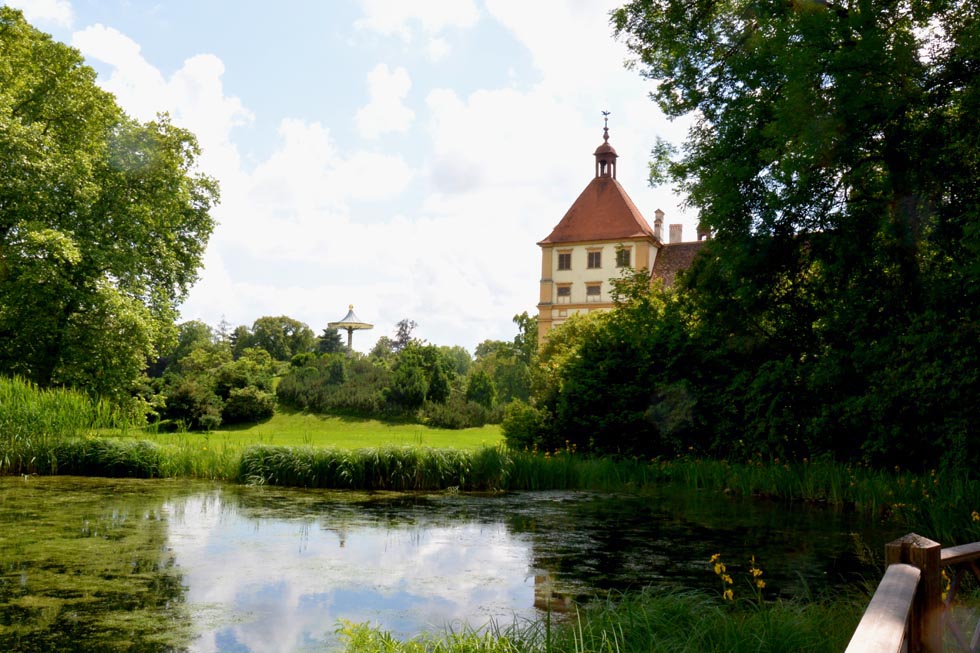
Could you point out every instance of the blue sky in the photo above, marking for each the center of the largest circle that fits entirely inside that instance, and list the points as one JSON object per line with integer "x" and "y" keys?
{"x": 401, "y": 156}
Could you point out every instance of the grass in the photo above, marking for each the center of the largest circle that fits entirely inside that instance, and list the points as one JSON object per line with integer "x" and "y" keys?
{"x": 56, "y": 431}
{"x": 648, "y": 621}
{"x": 292, "y": 429}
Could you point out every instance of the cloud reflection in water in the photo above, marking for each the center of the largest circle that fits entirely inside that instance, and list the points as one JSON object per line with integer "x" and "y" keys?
{"x": 280, "y": 584}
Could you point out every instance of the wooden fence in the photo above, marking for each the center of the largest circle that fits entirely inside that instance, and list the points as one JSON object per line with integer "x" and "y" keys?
{"x": 912, "y": 608}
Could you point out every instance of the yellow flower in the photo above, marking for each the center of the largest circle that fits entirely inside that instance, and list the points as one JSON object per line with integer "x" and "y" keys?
{"x": 726, "y": 579}
{"x": 975, "y": 515}
{"x": 760, "y": 583}
{"x": 715, "y": 557}
{"x": 728, "y": 595}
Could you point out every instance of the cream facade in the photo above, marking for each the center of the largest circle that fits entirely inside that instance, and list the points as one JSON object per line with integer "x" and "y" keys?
{"x": 600, "y": 235}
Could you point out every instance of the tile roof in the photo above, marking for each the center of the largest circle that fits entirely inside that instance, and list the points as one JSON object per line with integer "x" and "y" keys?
{"x": 602, "y": 212}
{"x": 673, "y": 258}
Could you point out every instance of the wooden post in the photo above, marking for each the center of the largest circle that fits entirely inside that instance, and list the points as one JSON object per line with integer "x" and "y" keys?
{"x": 925, "y": 633}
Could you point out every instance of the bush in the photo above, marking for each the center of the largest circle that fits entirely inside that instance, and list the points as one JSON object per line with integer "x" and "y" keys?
{"x": 458, "y": 413}
{"x": 336, "y": 383}
{"x": 194, "y": 405}
{"x": 524, "y": 425}
{"x": 249, "y": 404}
{"x": 481, "y": 389}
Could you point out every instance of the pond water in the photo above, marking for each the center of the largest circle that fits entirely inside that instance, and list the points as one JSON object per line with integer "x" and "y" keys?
{"x": 98, "y": 564}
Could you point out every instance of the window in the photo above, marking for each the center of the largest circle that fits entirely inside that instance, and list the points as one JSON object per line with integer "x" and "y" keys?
{"x": 623, "y": 258}
{"x": 593, "y": 293}
{"x": 564, "y": 294}
{"x": 595, "y": 260}
{"x": 564, "y": 260}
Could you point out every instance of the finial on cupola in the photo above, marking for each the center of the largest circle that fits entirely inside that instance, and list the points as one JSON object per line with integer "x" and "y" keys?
{"x": 605, "y": 154}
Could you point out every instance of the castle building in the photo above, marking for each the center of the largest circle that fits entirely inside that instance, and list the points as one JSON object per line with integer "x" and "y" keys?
{"x": 602, "y": 233}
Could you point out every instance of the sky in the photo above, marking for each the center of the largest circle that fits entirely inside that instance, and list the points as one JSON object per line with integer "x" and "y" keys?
{"x": 403, "y": 157}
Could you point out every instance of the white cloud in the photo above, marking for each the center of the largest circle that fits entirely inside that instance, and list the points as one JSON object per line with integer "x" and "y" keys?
{"x": 399, "y": 17}
{"x": 438, "y": 49}
{"x": 314, "y": 226}
{"x": 385, "y": 112}
{"x": 194, "y": 96}
{"x": 54, "y": 12}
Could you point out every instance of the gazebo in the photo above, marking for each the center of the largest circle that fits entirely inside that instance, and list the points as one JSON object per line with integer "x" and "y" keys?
{"x": 351, "y": 323}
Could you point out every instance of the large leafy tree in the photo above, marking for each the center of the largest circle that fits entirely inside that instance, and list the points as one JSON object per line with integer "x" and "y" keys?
{"x": 835, "y": 156}
{"x": 103, "y": 221}
{"x": 281, "y": 336}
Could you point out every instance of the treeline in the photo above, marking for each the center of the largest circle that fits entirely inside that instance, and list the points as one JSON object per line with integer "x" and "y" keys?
{"x": 215, "y": 376}
{"x": 836, "y": 310}
{"x": 668, "y": 373}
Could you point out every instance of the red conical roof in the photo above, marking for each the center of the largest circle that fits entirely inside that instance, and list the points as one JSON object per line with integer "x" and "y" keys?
{"x": 602, "y": 212}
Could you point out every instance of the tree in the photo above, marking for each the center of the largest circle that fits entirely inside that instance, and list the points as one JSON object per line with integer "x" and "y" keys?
{"x": 330, "y": 342}
{"x": 403, "y": 333}
{"x": 283, "y": 337}
{"x": 103, "y": 221}
{"x": 480, "y": 389}
{"x": 834, "y": 156}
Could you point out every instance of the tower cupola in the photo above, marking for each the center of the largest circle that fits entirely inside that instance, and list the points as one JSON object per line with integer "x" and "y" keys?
{"x": 605, "y": 154}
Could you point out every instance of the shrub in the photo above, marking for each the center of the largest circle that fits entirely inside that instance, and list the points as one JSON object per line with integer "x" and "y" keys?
{"x": 195, "y": 405}
{"x": 248, "y": 405}
{"x": 458, "y": 413}
{"x": 524, "y": 425}
{"x": 481, "y": 389}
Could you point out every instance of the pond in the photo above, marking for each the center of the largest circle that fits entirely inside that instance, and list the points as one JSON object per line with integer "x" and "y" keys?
{"x": 98, "y": 564}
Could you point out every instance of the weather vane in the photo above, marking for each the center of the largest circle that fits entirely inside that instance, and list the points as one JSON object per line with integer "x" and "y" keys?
{"x": 605, "y": 118}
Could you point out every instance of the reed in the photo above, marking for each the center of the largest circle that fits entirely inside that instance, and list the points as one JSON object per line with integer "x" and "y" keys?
{"x": 384, "y": 468}
{"x": 648, "y": 621}
{"x": 34, "y": 420}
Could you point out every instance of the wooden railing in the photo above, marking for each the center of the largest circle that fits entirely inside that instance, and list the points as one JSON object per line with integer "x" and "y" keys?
{"x": 912, "y": 608}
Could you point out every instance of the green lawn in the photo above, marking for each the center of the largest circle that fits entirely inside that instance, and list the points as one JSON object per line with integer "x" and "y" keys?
{"x": 304, "y": 429}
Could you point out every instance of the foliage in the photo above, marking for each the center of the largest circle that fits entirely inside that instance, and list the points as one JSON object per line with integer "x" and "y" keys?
{"x": 458, "y": 413}
{"x": 330, "y": 342}
{"x": 103, "y": 222}
{"x": 835, "y": 310}
{"x": 642, "y": 621}
{"x": 248, "y": 404}
{"x": 481, "y": 389}
{"x": 524, "y": 425}
{"x": 421, "y": 372}
{"x": 386, "y": 468}
{"x": 403, "y": 334}
{"x": 255, "y": 368}
{"x": 33, "y": 418}
{"x": 192, "y": 404}
{"x": 337, "y": 382}
{"x": 282, "y": 336}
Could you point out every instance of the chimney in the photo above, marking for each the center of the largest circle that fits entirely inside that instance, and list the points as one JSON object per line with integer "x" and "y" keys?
{"x": 676, "y": 233}
{"x": 658, "y": 225}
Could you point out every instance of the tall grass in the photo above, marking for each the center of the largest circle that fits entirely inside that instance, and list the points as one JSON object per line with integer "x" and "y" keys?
{"x": 34, "y": 420}
{"x": 50, "y": 432}
{"x": 385, "y": 468}
{"x": 649, "y": 621}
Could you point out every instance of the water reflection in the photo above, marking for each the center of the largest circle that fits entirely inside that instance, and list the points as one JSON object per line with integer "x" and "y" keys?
{"x": 174, "y": 566}
{"x": 279, "y": 583}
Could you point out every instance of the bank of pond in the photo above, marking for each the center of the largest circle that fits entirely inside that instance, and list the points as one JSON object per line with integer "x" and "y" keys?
{"x": 109, "y": 541}
{"x": 94, "y": 564}
{"x": 491, "y": 550}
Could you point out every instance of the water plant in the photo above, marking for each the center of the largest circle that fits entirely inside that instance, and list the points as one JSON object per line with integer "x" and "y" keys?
{"x": 33, "y": 420}
{"x": 646, "y": 621}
